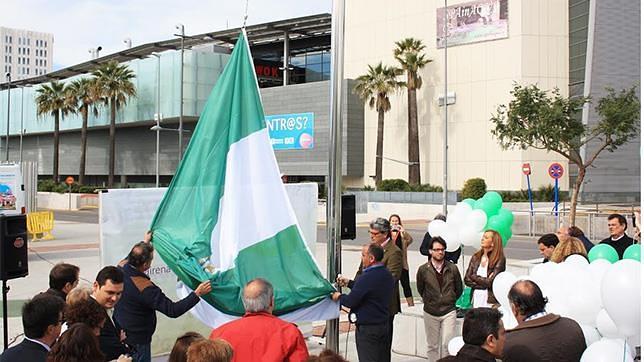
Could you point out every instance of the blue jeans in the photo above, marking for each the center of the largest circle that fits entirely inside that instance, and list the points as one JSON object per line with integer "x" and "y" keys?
{"x": 143, "y": 353}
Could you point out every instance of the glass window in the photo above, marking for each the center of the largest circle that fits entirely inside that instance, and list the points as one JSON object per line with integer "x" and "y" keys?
{"x": 299, "y": 60}
{"x": 313, "y": 58}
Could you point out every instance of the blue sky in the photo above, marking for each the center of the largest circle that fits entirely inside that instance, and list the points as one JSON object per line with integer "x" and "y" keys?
{"x": 78, "y": 25}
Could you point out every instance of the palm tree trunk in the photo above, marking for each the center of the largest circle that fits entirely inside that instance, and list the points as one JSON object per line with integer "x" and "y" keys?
{"x": 575, "y": 194}
{"x": 110, "y": 176}
{"x": 413, "y": 148}
{"x": 56, "y": 146}
{"x": 379, "y": 145}
{"x": 81, "y": 169}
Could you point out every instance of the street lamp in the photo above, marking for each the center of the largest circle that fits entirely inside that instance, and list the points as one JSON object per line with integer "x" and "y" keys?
{"x": 8, "y": 75}
{"x": 445, "y": 121}
{"x": 158, "y": 116}
{"x": 181, "y": 34}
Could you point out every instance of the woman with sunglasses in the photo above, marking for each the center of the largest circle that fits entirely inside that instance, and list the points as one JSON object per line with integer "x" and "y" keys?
{"x": 402, "y": 240}
{"x": 484, "y": 266}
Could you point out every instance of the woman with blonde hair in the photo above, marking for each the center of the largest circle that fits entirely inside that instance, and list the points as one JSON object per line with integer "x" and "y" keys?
{"x": 568, "y": 246}
{"x": 484, "y": 266}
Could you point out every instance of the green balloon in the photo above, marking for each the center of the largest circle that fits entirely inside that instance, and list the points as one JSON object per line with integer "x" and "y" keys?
{"x": 632, "y": 252}
{"x": 487, "y": 206}
{"x": 603, "y": 251}
{"x": 494, "y": 198}
{"x": 497, "y": 223}
{"x": 470, "y": 202}
{"x": 506, "y": 215}
{"x": 506, "y": 234}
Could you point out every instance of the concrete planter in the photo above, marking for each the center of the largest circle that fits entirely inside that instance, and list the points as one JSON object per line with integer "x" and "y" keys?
{"x": 56, "y": 201}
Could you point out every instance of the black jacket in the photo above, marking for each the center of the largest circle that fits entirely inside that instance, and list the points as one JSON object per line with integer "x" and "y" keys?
{"x": 136, "y": 311}
{"x": 620, "y": 244}
{"x": 57, "y": 293}
{"x": 25, "y": 351}
{"x": 110, "y": 339}
{"x": 470, "y": 353}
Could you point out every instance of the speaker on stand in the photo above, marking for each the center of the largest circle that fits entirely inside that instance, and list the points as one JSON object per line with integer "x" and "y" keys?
{"x": 13, "y": 259}
{"x": 348, "y": 220}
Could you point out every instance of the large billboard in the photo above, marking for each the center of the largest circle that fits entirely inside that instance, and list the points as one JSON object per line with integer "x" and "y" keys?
{"x": 472, "y": 22}
{"x": 291, "y": 131}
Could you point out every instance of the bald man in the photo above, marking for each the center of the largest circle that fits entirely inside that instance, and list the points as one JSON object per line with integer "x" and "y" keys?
{"x": 136, "y": 311}
{"x": 540, "y": 336}
{"x": 259, "y": 335}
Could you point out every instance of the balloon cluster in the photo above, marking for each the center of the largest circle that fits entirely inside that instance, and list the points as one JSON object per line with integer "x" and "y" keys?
{"x": 467, "y": 221}
{"x": 603, "y": 298}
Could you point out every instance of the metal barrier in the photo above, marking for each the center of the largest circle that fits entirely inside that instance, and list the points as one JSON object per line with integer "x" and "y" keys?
{"x": 540, "y": 222}
{"x": 40, "y": 224}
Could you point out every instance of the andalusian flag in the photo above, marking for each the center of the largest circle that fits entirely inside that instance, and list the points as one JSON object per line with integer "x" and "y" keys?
{"x": 226, "y": 216}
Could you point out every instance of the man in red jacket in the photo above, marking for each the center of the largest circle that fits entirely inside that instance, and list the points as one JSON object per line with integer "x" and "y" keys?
{"x": 259, "y": 335}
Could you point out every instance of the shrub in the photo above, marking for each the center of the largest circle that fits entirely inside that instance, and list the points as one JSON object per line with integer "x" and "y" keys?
{"x": 427, "y": 188}
{"x": 474, "y": 188}
{"x": 368, "y": 188}
{"x": 393, "y": 185}
{"x": 46, "y": 185}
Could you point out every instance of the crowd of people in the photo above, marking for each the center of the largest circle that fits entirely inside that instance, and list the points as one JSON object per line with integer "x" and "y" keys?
{"x": 115, "y": 319}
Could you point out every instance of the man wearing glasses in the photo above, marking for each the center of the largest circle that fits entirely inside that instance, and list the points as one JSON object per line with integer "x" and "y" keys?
{"x": 440, "y": 285}
{"x": 379, "y": 232}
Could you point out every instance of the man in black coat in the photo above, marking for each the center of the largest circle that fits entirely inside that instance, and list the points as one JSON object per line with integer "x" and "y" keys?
{"x": 484, "y": 337}
{"x": 106, "y": 291}
{"x": 618, "y": 239}
{"x": 63, "y": 278}
{"x": 41, "y": 321}
{"x": 136, "y": 312}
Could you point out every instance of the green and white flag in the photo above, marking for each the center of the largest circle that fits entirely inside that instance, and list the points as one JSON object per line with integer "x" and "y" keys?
{"x": 226, "y": 215}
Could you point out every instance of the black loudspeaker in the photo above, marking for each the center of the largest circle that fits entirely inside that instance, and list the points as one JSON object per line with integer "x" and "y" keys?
{"x": 13, "y": 247}
{"x": 348, "y": 222}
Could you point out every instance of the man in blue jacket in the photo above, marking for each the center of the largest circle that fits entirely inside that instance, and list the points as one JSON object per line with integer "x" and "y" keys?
{"x": 369, "y": 302}
{"x": 136, "y": 311}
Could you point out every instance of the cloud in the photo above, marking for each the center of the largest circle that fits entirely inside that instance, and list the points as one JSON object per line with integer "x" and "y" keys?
{"x": 79, "y": 25}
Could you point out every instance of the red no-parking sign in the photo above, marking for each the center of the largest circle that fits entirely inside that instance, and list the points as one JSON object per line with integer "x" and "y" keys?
{"x": 555, "y": 170}
{"x": 526, "y": 169}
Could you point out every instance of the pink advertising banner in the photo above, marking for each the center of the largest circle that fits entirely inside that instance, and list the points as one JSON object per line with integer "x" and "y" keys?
{"x": 472, "y": 22}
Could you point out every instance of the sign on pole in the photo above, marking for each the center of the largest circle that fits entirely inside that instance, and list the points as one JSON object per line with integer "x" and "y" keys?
{"x": 556, "y": 170}
{"x": 527, "y": 171}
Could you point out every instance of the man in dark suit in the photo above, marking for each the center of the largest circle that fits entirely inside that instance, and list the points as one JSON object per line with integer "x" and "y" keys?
{"x": 106, "y": 291}
{"x": 618, "y": 239}
{"x": 41, "y": 321}
{"x": 380, "y": 234}
{"x": 63, "y": 278}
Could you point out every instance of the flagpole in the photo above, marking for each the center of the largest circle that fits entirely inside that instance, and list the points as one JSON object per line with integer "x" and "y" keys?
{"x": 333, "y": 205}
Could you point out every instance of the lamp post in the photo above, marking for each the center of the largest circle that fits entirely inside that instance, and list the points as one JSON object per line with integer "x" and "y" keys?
{"x": 157, "y": 116}
{"x": 8, "y": 75}
{"x": 445, "y": 110}
{"x": 22, "y": 118}
{"x": 181, "y": 34}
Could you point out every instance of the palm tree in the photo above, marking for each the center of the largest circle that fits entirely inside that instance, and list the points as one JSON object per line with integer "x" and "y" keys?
{"x": 375, "y": 86}
{"x": 81, "y": 96}
{"x": 408, "y": 53}
{"x": 114, "y": 85}
{"x": 50, "y": 100}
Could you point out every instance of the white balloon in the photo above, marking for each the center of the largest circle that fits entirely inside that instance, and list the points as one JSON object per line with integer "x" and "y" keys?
{"x": 577, "y": 260}
{"x": 580, "y": 293}
{"x": 451, "y": 239}
{"x": 436, "y": 227}
{"x": 501, "y": 286}
{"x": 590, "y": 334}
{"x": 620, "y": 294}
{"x": 458, "y": 216}
{"x": 509, "y": 320}
{"x": 476, "y": 220}
{"x": 455, "y": 345}
{"x": 598, "y": 267}
{"x": 468, "y": 236}
{"x": 607, "y": 350}
{"x": 606, "y": 326}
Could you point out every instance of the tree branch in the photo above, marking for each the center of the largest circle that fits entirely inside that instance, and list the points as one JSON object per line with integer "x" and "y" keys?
{"x": 599, "y": 150}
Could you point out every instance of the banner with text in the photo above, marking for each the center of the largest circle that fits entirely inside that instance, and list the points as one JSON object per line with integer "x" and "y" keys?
{"x": 291, "y": 131}
{"x": 472, "y": 22}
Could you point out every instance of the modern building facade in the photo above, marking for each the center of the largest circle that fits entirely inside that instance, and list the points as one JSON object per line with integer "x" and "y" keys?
{"x": 491, "y": 45}
{"x": 605, "y": 52}
{"x": 25, "y": 53}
